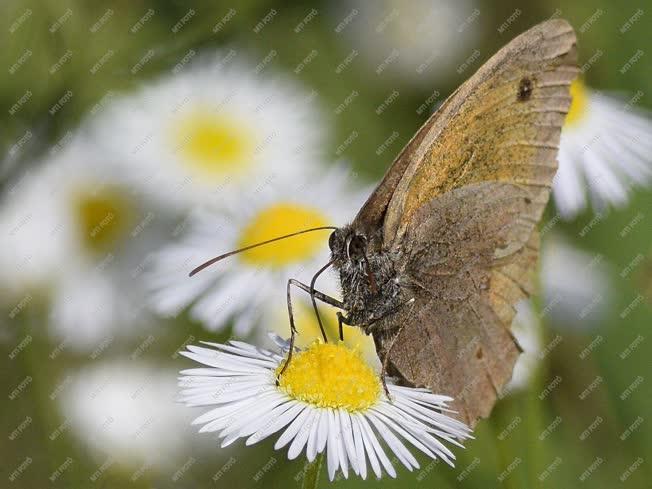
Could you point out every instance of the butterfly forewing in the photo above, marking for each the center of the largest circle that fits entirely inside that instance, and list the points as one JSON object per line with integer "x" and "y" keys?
{"x": 503, "y": 124}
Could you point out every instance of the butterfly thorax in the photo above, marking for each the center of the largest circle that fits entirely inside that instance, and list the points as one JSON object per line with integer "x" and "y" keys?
{"x": 370, "y": 286}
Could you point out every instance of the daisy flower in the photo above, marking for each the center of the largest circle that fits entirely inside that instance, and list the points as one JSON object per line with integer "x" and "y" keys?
{"x": 123, "y": 412}
{"x": 327, "y": 400}
{"x": 73, "y": 231}
{"x": 250, "y": 286}
{"x": 215, "y": 130}
{"x": 605, "y": 148}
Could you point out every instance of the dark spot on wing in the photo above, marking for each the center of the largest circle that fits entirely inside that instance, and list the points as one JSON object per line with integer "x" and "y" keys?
{"x": 525, "y": 88}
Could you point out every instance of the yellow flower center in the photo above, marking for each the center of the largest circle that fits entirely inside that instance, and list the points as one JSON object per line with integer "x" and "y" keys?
{"x": 215, "y": 144}
{"x": 331, "y": 375}
{"x": 103, "y": 218}
{"x": 578, "y": 106}
{"x": 279, "y": 219}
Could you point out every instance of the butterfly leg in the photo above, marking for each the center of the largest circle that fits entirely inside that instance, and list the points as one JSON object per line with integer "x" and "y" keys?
{"x": 293, "y": 330}
{"x": 341, "y": 320}
{"x": 326, "y": 299}
{"x": 313, "y": 298}
{"x": 315, "y": 294}
{"x": 383, "y": 372}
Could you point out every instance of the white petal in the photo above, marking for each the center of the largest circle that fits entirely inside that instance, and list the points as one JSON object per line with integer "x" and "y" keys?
{"x": 332, "y": 456}
{"x": 302, "y": 436}
{"x": 239, "y": 351}
{"x": 394, "y": 443}
{"x": 403, "y": 432}
{"x": 228, "y": 415}
{"x": 237, "y": 395}
{"x": 209, "y": 416}
{"x": 568, "y": 190}
{"x": 366, "y": 429}
{"x": 229, "y": 439}
{"x": 311, "y": 446}
{"x": 341, "y": 451}
{"x": 347, "y": 436}
{"x": 216, "y": 390}
{"x": 359, "y": 446}
{"x": 368, "y": 446}
{"x": 433, "y": 418}
{"x": 421, "y": 395}
{"x": 322, "y": 433}
{"x": 258, "y": 409}
{"x": 281, "y": 420}
{"x": 603, "y": 181}
{"x": 225, "y": 363}
{"x": 269, "y": 417}
{"x": 213, "y": 372}
{"x": 292, "y": 430}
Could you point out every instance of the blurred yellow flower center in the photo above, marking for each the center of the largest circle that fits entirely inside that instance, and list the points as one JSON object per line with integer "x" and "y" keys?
{"x": 578, "y": 106}
{"x": 333, "y": 376}
{"x": 279, "y": 219}
{"x": 103, "y": 218}
{"x": 215, "y": 144}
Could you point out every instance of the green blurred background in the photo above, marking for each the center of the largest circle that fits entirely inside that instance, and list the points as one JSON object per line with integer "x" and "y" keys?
{"x": 513, "y": 448}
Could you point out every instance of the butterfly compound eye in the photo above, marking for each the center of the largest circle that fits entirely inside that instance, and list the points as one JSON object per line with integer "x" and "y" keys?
{"x": 331, "y": 241}
{"x": 357, "y": 246}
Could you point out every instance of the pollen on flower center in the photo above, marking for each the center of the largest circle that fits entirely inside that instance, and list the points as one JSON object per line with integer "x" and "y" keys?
{"x": 276, "y": 220}
{"x": 330, "y": 375}
{"x": 102, "y": 218}
{"x": 578, "y": 105}
{"x": 214, "y": 144}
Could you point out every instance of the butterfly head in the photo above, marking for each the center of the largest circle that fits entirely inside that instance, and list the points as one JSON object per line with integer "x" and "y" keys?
{"x": 347, "y": 245}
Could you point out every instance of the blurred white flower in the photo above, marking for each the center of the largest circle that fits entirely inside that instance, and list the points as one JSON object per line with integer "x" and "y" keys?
{"x": 575, "y": 294}
{"x": 420, "y": 41}
{"x": 575, "y": 284}
{"x": 252, "y": 285}
{"x": 126, "y": 412}
{"x": 213, "y": 131}
{"x": 72, "y": 230}
{"x": 605, "y": 149}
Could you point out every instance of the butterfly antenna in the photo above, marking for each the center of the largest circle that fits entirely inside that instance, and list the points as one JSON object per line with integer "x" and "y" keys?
{"x": 212, "y": 261}
{"x": 314, "y": 301}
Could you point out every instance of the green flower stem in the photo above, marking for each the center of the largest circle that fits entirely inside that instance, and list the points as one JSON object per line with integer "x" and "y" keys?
{"x": 312, "y": 471}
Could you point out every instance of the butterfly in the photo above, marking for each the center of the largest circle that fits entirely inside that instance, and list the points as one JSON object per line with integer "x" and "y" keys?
{"x": 434, "y": 263}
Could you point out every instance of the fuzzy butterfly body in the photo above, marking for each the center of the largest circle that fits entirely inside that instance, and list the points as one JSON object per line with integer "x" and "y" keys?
{"x": 435, "y": 261}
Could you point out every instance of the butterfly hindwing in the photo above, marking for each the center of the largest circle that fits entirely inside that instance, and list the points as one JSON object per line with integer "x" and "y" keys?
{"x": 456, "y": 338}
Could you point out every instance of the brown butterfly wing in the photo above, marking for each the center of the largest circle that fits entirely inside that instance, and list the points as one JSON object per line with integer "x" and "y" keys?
{"x": 502, "y": 124}
{"x": 474, "y": 182}
{"x": 466, "y": 264}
